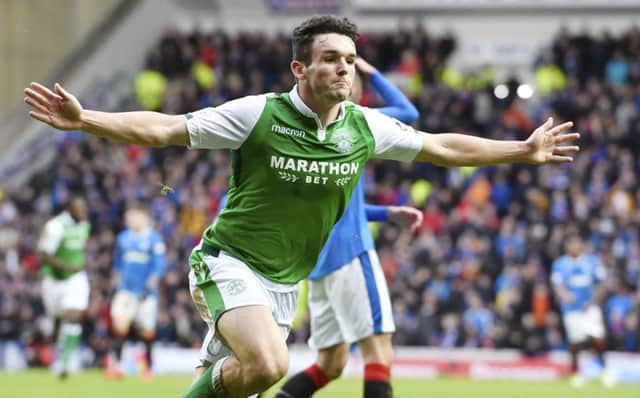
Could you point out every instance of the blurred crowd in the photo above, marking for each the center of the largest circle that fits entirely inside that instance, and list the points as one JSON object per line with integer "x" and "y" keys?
{"x": 476, "y": 274}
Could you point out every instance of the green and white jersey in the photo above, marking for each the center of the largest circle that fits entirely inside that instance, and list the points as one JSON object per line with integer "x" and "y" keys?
{"x": 292, "y": 177}
{"x": 67, "y": 240}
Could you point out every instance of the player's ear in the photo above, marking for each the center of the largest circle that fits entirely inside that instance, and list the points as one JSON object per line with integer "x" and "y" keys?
{"x": 298, "y": 68}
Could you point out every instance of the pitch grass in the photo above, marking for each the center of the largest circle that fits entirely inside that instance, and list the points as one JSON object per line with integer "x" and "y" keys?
{"x": 91, "y": 384}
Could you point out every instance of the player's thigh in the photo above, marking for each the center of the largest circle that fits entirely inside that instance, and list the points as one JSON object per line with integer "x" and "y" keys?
{"x": 575, "y": 324}
{"x": 253, "y": 335}
{"x": 123, "y": 309}
{"x": 360, "y": 298}
{"x": 76, "y": 293}
{"x": 240, "y": 306}
{"x": 325, "y": 329}
{"x": 52, "y": 290}
{"x": 146, "y": 316}
{"x": 377, "y": 348}
{"x": 594, "y": 322}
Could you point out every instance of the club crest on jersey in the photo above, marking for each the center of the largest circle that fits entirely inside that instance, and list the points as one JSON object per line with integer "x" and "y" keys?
{"x": 235, "y": 287}
{"x": 344, "y": 140}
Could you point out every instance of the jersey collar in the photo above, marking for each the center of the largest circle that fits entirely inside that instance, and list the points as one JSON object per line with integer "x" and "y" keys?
{"x": 65, "y": 217}
{"x": 301, "y": 107}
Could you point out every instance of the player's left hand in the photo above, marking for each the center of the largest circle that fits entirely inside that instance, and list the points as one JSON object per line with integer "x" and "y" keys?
{"x": 364, "y": 67}
{"x": 548, "y": 143}
{"x": 405, "y": 216}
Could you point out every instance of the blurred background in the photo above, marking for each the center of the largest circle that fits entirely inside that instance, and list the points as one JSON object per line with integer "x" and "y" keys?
{"x": 470, "y": 288}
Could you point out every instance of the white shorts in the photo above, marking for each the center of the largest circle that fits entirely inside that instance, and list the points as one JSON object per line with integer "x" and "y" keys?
{"x": 60, "y": 295}
{"x": 582, "y": 324}
{"x": 350, "y": 304}
{"x": 142, "y": 312}
{"x": 221, "y": 283}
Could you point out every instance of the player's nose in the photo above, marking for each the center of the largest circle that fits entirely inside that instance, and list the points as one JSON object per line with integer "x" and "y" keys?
{"x": 342, "y": 67}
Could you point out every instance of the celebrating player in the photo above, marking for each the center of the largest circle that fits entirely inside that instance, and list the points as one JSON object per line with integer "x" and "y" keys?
{"x": 348, "y": 295}
{"x": 65, "y": 286}
{"x": 139, "y": 265}
{"x": 297, "y": 157}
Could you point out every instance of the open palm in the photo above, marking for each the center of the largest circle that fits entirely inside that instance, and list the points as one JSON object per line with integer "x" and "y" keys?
{"x": 57, "y": 108}
{"x": 548, "y": 143}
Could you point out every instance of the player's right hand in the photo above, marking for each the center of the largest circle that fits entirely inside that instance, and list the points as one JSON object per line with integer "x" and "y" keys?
{"x": 57, "y": 108}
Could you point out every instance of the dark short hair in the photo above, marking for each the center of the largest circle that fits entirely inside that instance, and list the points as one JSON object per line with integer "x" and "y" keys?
{"x": 304, "y": 34}
{"x": 73, "y": 200}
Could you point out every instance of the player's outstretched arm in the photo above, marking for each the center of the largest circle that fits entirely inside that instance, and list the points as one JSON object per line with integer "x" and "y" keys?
{"x": 62, "y": 110}
{"x": 547, "y": 144}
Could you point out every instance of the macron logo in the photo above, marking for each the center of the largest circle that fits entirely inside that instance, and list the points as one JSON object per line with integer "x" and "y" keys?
{"x": 287, "y": 131}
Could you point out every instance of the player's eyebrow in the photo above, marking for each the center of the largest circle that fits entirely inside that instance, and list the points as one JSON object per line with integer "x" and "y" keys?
{"x": 336, "y": 52}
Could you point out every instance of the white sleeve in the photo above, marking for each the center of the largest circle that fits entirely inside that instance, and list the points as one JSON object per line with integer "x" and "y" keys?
{"x": 556, "y": 278}
{"x": 227, "y": 125}
{"x": 394, "y": 139}
{"x": 51, "y": 237}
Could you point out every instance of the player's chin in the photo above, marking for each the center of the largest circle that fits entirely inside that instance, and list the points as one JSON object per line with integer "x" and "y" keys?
{"x": 339, "y": 95}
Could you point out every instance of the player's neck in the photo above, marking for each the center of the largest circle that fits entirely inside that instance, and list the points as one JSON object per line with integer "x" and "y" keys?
{"x": 326, "y": 110}
{"x": 139, "y": 231}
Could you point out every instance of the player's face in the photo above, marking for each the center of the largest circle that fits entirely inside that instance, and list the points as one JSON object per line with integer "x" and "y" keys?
{"x": 574, "y": 246}
{"x": 78, "y": 209}
{"x": 330, "y": 73}
{"x": 135, "y": 219}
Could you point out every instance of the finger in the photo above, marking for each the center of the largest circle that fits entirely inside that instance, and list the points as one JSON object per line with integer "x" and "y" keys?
{"x": 417, "y": 221}
{"x": 37, "y": 97}
{"x": 415, "y": 225}
{"x": 418, "y": 218}
{"x": 45, "y": 91}
{"x": 566, "y": 150}
{"x": 548, "y": 124}
{"x": 63, "y": 93}
{"x": 566, "y": 138}
{"x": 559, "y": 159}
{"x": 43, "y": 117}
{"x": 561, "y": 127}
{"x": 36, "y": 105}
